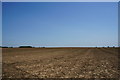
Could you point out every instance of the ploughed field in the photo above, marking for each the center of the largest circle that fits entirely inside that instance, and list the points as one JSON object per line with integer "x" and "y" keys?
{"x": 60, "y": 63}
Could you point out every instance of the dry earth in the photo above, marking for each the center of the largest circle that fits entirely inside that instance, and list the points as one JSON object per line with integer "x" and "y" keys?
{"x": 60, "y": 63}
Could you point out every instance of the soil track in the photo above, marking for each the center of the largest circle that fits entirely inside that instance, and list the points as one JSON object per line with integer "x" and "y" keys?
{"x": 60, "y": 63}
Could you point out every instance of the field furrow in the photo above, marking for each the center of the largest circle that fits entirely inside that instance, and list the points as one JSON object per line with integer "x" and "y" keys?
{"x": 60, "y": 63}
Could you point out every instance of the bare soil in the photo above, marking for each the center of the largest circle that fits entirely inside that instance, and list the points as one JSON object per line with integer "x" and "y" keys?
{"x": 60, "y": 63}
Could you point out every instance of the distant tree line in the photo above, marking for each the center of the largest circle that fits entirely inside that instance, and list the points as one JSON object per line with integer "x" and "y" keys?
{"x": 107, "y": 47}
{"x": 21, "y": 47}
{"x": 5, "y": 47}
{"x": 45, "y": 47}
{"x": 25, "y": 47}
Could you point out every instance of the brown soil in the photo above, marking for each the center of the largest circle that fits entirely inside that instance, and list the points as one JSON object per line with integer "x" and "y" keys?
{"x": 60, "y": 63}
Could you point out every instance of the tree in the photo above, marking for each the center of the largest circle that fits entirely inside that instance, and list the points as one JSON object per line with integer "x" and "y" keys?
{"x": 25, "y": 46}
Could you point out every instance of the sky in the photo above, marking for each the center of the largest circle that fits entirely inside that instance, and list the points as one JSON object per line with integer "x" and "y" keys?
{"x": 60, "y": 0}
{"x": 60, "y": 24}
{"x": 0, "y": 23}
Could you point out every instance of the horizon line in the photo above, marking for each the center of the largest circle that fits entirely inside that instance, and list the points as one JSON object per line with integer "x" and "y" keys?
{"x": 59, "y": 46}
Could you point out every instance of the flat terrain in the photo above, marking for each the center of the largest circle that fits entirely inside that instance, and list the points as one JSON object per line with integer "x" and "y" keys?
{"x": 60, "y": 63}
